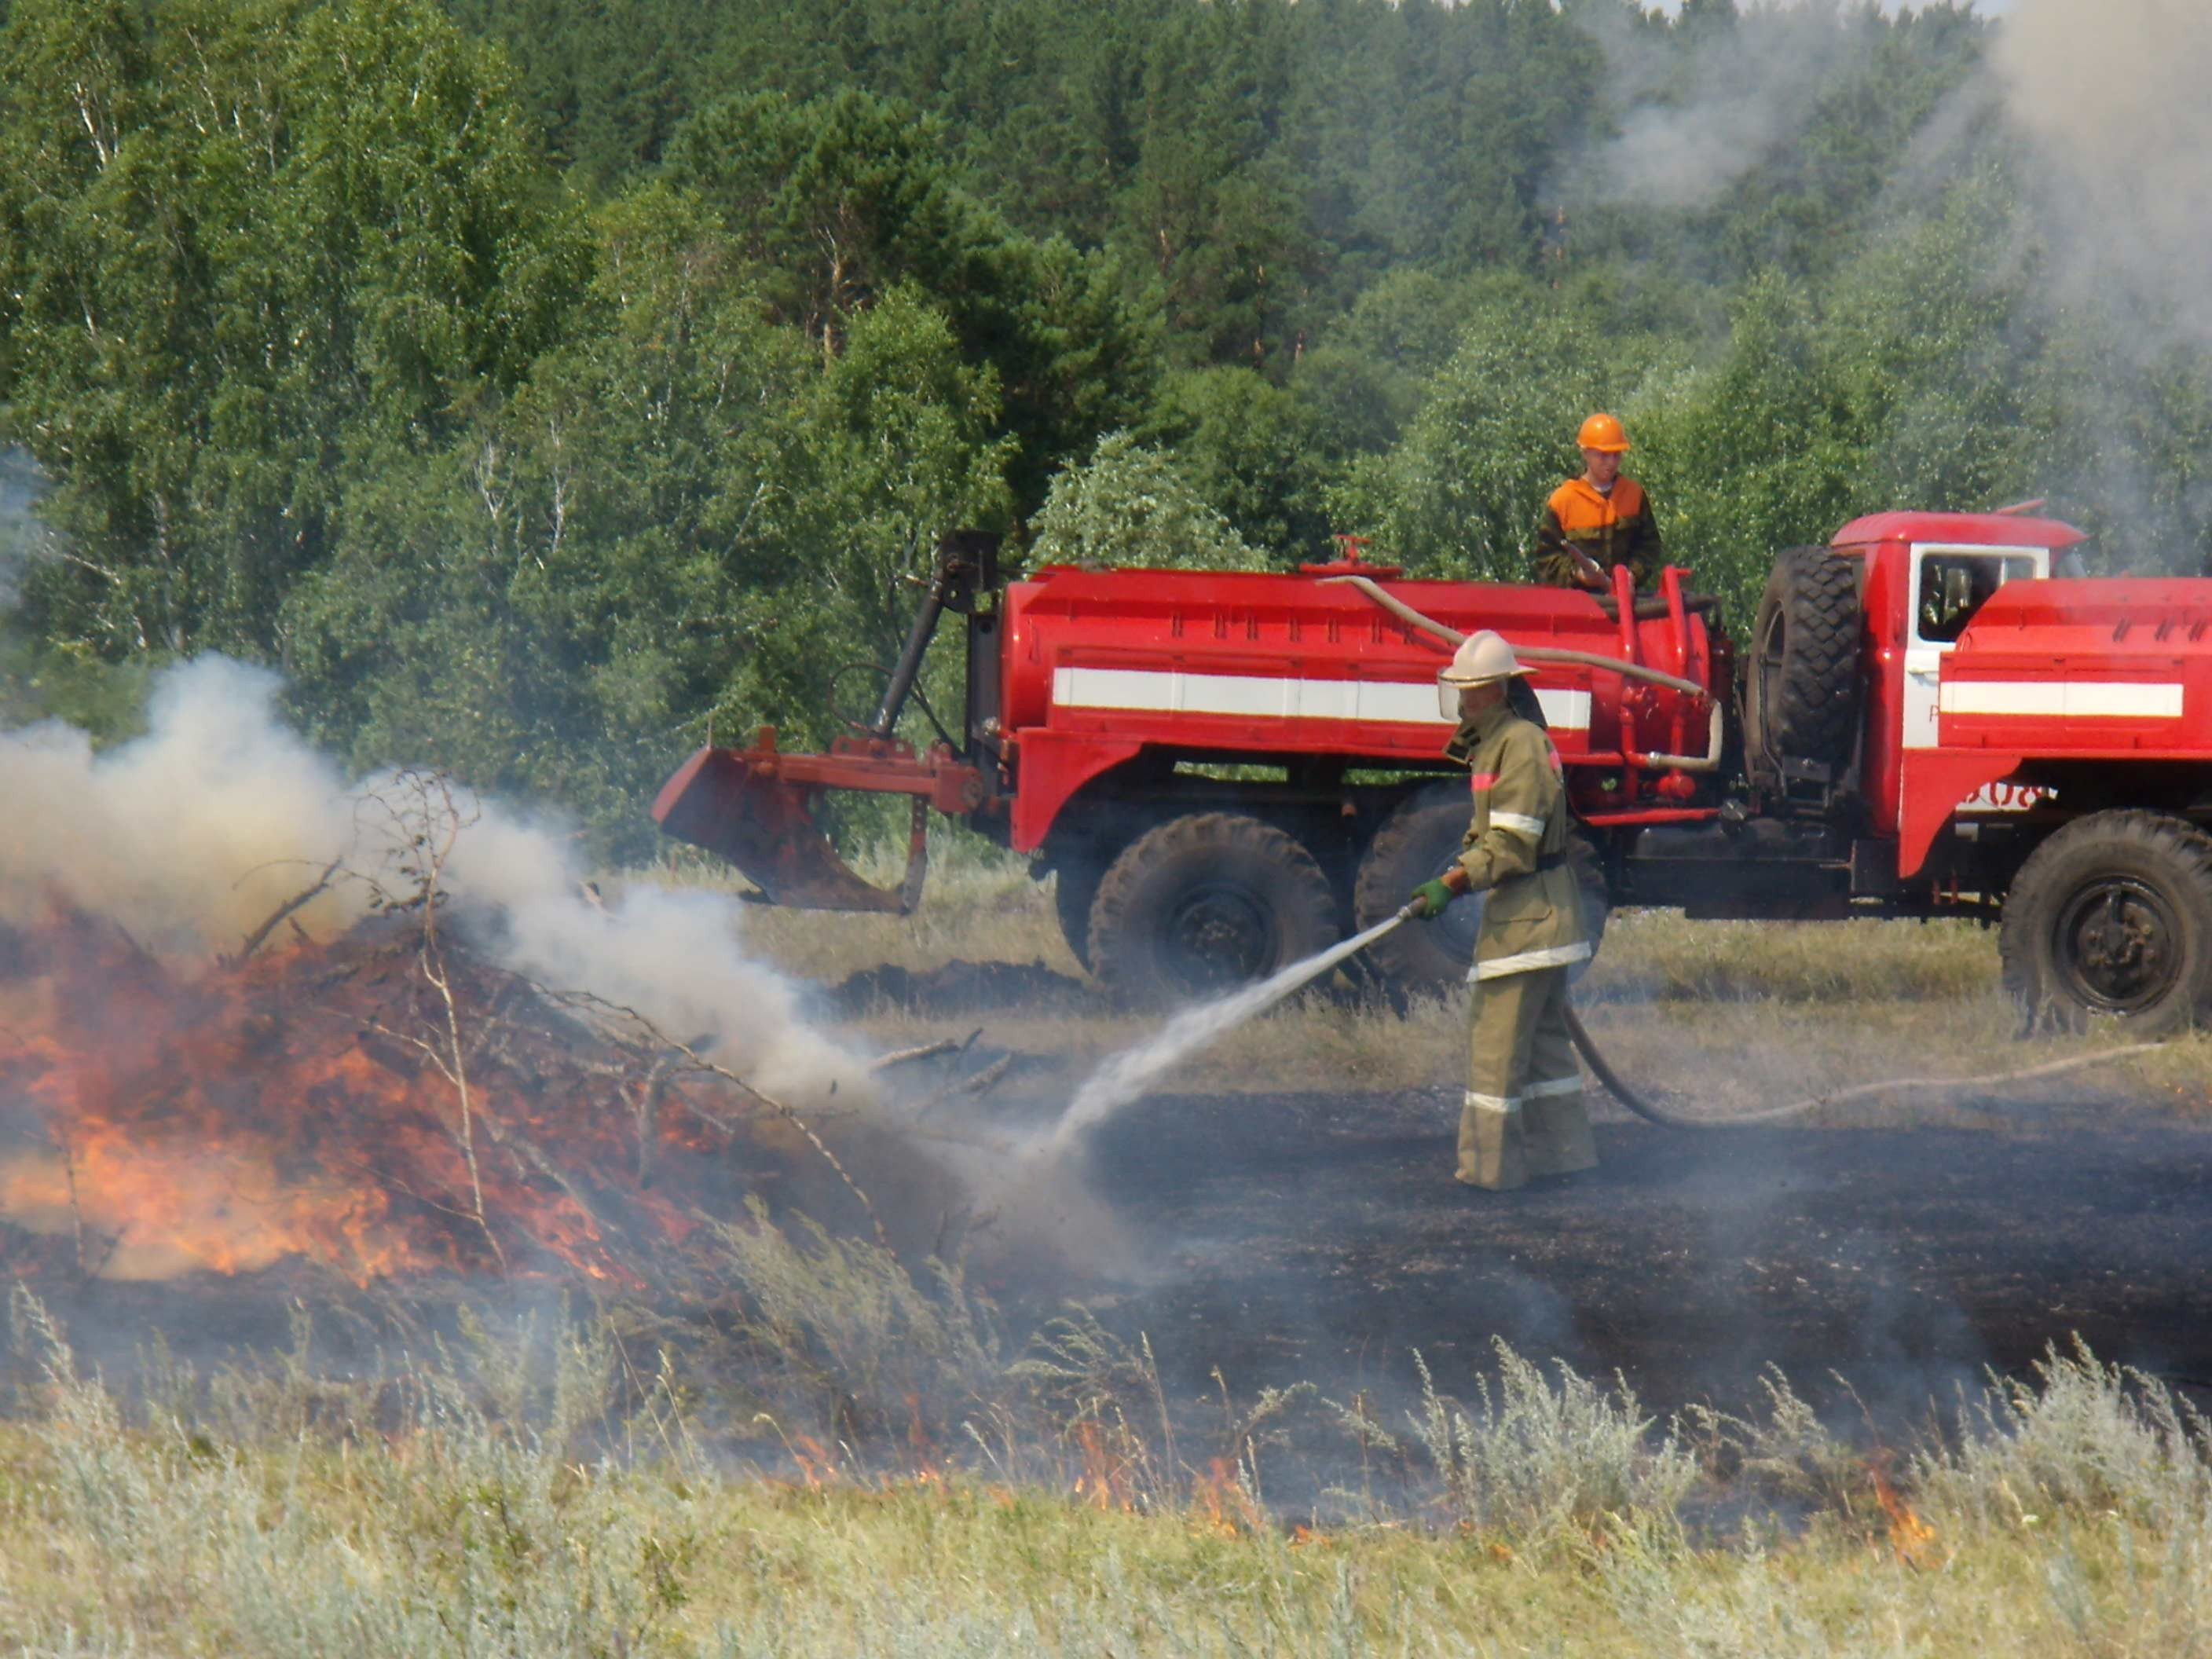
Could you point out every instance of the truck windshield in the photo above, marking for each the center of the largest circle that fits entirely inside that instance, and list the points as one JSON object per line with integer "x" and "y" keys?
{"x": 1954, "y": 586}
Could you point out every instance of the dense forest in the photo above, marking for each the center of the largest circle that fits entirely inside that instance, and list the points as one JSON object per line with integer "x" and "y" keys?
{"x": 536, "y": 382}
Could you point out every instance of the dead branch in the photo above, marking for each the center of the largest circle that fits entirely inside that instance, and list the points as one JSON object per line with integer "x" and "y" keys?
{"x": 586, "y": 999}
{"x": 534, "y": 1155}
{"x": 428, "y": 824}
{"x": 649, "y": 1118}
{"x": 283, "y": 913}
{"x": 927, "y": 1051}
{"x": 981, "y": 1083}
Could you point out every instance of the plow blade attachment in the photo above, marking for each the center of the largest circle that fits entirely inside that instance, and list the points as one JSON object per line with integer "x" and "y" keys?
{"x": 754, "y": 807}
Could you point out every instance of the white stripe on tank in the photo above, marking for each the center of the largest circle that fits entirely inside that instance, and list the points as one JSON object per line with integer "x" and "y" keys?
{"x": 1252, "y": 697}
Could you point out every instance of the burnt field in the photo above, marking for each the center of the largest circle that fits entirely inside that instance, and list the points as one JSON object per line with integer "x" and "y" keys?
{"x": 1316, "y": 1237}
{"x": 376, "y": 1260}
{"x": 1284, "y": 1208}
{"x": 1319, "y": 1235}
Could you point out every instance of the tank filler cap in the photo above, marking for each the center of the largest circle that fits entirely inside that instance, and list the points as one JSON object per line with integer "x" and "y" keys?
{"x": 1349, "y": 561}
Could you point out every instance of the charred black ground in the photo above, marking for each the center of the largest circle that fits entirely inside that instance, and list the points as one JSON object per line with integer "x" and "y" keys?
{"x": 1320, "y": 1235}
{"x": 1318, "y": 1238}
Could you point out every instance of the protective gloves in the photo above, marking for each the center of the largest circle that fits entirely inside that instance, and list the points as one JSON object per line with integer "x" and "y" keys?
{"x": 1430, "y": 898}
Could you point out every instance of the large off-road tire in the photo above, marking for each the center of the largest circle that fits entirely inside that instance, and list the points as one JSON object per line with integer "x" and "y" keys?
{"x": 1802, "y": 692}
{"x": 1074, "y": 891}
{"x": 1203, "y": 904}
{"x": 1419, "y": 839}
{"x": 2110, "y": 919}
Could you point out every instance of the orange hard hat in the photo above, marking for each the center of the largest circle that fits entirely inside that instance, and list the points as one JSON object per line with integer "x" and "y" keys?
{"x": 1603, "y": 432}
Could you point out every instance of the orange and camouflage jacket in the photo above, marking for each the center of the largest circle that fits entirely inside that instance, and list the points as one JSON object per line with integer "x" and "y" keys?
{"x": 1615, "y": 528}
{"x": 1515, "y": 849}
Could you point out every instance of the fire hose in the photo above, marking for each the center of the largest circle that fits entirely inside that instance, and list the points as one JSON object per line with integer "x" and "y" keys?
{"x": 1708, "y": 761}
{"x": 1666, "y": 1118}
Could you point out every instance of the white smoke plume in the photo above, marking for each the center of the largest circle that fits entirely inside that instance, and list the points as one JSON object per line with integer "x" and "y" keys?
{"x": 1698, "y": 119}
{"x": 192, "y": 835}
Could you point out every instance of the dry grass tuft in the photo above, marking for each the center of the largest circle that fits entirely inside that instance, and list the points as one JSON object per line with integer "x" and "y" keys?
{"x": 511, "y": 1498}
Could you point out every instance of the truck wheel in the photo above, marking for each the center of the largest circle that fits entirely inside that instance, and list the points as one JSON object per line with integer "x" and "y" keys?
{"x": 2111, "y": 919}
{"x": 1419, "y": 840}
{"x": 1801, "y": 696}
{"x": 1074, "y": 889}
{"x": 1203, "y": 904}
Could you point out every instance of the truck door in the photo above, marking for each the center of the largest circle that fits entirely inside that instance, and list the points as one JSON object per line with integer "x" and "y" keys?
{"x": 1949, "y": 584}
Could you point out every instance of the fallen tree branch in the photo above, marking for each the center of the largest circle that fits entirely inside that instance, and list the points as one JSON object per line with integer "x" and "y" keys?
{"x": 925, "y": 1051}
{"x": 283, "y": 913}
{"x": 981, "y": 1082}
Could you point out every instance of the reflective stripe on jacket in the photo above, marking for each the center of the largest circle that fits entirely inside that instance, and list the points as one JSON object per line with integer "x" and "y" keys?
{"x": 1514, "y": 848}
{"x": 1612, "y": 528}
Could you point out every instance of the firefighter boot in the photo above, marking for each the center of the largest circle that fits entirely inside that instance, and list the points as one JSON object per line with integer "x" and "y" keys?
{"x": 1554, "y": 1119}
{"x": 1493, "y": 1143}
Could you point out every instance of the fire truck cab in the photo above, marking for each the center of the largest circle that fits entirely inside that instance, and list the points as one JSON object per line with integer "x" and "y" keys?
{"x": 2009, "y": 740}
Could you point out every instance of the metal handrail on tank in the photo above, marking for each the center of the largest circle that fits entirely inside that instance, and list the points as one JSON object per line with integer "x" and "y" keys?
{"x": 1708, "y": 761}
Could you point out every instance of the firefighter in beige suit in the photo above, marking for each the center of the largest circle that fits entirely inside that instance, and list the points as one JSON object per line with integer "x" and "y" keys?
{"x": 1524, "y": 1115}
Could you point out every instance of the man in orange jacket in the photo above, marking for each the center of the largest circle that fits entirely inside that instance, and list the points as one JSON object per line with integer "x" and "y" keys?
{"x": 1598, "y": 521}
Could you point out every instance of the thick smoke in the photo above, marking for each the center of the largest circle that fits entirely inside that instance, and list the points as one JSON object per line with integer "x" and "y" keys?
{"x": 192, "y": 835}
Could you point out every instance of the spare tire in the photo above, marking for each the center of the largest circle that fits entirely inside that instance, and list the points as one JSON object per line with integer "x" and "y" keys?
{"x": 1802, "y": 684}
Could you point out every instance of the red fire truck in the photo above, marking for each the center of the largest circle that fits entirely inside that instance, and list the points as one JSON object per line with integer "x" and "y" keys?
{"x": 1226, "y": 772}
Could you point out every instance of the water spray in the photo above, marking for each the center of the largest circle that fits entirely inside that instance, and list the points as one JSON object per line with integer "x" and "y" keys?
{"x": 1125, "y": 1077}
{"x": 1130, "y": 1072}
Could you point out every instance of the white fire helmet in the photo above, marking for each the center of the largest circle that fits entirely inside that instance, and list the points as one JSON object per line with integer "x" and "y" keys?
{"x": 1481, "y": 658}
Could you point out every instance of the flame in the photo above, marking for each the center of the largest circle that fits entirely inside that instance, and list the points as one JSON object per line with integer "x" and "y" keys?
{"x": 818, "y": 1466}
{"x": 1105, "y": 1480}
{"x": 1909, "y": 1535}
{"x": 1224, "y": 1502}
{"x": 320, "y": 1102}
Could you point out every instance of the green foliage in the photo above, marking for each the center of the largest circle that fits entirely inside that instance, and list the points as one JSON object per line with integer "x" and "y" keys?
{"x": 1459, "y": 495}
{"x": 543, "y": 384}
{"x": 840, "y": 201}
{"x": 1249, "y": 449}
{"x": 1130, "y": 505}
{"x": 249, "y": 249}
{"x": 663, "y": 527}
